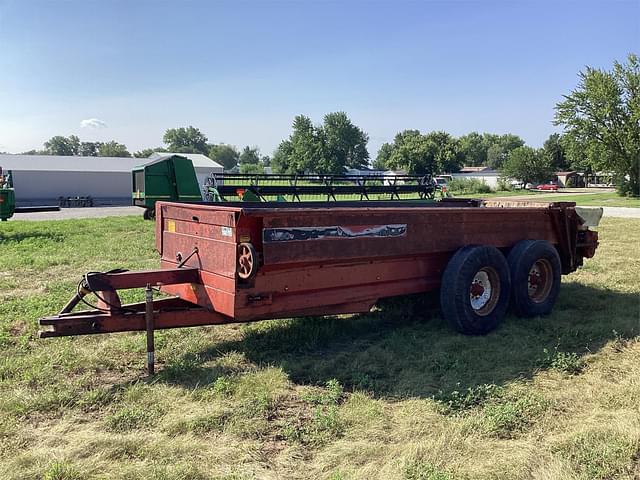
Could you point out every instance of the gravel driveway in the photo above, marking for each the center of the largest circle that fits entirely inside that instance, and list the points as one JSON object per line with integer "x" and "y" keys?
{"x": 621, "y": 212}
{"x": 89, "y": 212}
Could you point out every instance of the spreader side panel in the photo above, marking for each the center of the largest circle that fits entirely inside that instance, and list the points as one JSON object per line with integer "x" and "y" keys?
{"x": 317, "y": 237}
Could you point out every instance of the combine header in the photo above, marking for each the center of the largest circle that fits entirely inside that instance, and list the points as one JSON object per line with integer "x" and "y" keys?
{"x": 298, "y": 188}
{"x": 173, "y": 178}
{"x": 243, "y": 261}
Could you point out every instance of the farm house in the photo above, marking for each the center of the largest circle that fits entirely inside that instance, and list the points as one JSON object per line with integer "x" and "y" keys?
{"x": 42, "y": 179}
{"x": 484, "y": 174}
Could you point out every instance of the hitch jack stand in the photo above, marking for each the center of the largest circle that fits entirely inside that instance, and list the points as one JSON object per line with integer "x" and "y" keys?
{"x": 148, "y": 315}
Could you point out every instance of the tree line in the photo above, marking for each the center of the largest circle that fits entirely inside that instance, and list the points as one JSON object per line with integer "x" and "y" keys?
{"x": 178, "y": 140}
{"x": 337, "y": 144}
{"x": 71, "y": 146}
{"x": 600, "y": 121}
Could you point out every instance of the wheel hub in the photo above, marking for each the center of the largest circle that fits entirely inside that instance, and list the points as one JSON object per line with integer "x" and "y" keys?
{"x": 476, "y": 289}
{"x": 480, "y": 290}
{"x": 535, "y": 277}
{"x": 539, "y": 280}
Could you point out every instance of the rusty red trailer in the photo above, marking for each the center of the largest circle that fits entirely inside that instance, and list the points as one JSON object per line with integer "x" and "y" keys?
{"x": 241, "y": 262}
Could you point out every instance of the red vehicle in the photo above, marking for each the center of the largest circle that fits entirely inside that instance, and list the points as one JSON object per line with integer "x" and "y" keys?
{"x": 240, "y": 262}
{"x": 548, "y": 186}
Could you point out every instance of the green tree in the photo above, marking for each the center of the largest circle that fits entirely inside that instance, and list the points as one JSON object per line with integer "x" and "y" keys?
{"x": 382, "y": 159}
{"x": 74, "y": 141}
{"x": 282, "y": 158}
{"x": 329, "y": 148}
{"x": 555, "y": 151}
{"x": 35, "y": 152}
{"x": 499, "y": 149}
{"x": 344, "y": 145}
{"x": 510, "y": 141}
{"x": 249, "y": 156}
{"x": 113, "y": 149}
{"x": 89, "y": 149}
{"x": 147, "y": 152}
{"x": 496, "y": 156}
{"x": 448, "y": 157}
{"x": 432, "y": 153}
{"x": 306, "y": 147}
{"x": 186, "y": 140}
{"x": 251, "y": 161}
{"x": 399, "y": 155}
{"x": 413, "y": 154}
{"x": 60, "y": 145}
{"x": 225, "y": 155}
{"x": 579, "y": 154}
{"x": 473, "y": 148}
{"x": 602, "y": 116}
{"x": 527, "y": 165}
{"x": 255, "y": 168}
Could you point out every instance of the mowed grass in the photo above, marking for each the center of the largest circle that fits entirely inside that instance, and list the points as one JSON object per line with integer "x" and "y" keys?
{"x": 607, "y": 199}
{"x": 394, "y": 394}
{"x": 601, "y": 199}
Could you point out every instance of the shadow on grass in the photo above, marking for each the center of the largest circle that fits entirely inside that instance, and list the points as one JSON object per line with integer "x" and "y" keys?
{"x": 405, "y": 349}
{"x": 17, "y": 237}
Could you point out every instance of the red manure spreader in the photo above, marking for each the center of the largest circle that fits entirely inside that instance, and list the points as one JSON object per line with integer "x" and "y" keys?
{"x": 243, "y": 261}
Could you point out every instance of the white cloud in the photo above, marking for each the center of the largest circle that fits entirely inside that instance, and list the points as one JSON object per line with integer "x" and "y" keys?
{"x": 93, "y": 123}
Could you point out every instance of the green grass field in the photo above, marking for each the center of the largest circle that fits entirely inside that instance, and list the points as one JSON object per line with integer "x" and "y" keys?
{"x": 603, "y": 199}
{"x": 610, "y": 199}
{"x": 394, "y": 394}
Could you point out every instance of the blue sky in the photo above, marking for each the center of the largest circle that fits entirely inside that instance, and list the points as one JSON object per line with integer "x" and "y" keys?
{"x": 241, "y": 70}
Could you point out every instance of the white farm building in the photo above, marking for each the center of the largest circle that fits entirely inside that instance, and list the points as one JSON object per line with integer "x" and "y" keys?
{"x": 42, "y": 179}
{"x": 486, "y": 175}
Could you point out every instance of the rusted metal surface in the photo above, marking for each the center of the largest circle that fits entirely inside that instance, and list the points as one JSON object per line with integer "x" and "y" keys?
{"x": 428, "y": 231}
{"x": 246, "y": 262}
{"x": 134, "y": 279}
{"x": 587, "y": 243}
{"x": 168, "y": 313}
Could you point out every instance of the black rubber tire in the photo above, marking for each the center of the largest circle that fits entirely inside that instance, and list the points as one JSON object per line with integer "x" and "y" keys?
{"x": 458, "y": 276}
{"x": 149, "y": 214}
{"x": 521, "y": 259}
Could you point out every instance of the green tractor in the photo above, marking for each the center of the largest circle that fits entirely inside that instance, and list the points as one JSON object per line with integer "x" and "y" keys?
{"x": 168, "y": 178}
{"x": 7, "y": 196}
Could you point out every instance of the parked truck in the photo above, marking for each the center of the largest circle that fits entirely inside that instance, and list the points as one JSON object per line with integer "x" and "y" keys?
{"x": 242, "y": 261}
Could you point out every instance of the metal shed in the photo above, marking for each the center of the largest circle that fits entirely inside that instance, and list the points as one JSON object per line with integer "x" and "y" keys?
{"x": 42, "y": 179}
